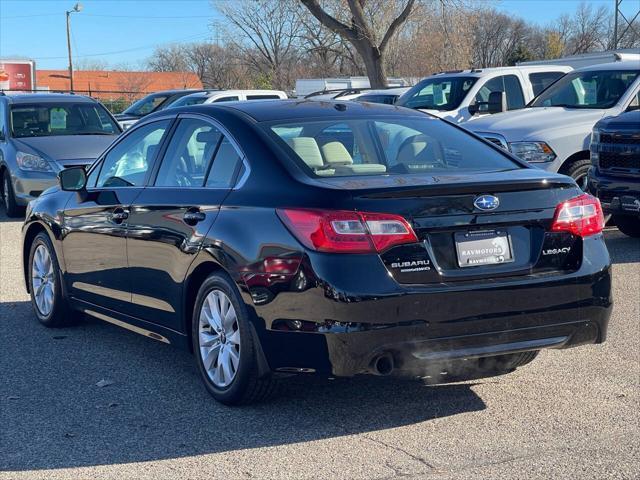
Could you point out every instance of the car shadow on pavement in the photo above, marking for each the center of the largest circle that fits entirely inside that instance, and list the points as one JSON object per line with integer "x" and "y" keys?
{"x": 622, "y": 249}
{"x": 53, "y": 415}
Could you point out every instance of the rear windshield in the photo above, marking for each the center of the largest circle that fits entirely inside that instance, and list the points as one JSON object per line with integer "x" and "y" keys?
{"x": 383, "y": 146}
{"x": 438, "y": 93}
{"x": 49, "y": 119}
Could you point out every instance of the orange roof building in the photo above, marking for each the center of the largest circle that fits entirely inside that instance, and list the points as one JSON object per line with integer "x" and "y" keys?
{"x": 108, "y": 85}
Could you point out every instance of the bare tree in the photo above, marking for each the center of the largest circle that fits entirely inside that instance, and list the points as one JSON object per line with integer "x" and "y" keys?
{"x": 270, "y": 31}
{"x": 169, "y": 58}
{"x": 370, "y": 43}
{"x": 132, "y": 84}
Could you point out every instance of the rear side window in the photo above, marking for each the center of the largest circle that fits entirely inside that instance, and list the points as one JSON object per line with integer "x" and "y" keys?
{"x": 541, "y": 80}
{"x": 386, "y": 99}
{"x": 188, "y": 156}
{"x": 226, "y": 165}
{"x": 379, "y": 146}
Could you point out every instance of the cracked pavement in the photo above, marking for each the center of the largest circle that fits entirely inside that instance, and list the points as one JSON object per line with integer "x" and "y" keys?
{"x": 569, "y": 414}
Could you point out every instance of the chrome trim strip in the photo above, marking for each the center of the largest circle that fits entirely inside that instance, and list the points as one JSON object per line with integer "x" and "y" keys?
{"x": 128, "y": 326}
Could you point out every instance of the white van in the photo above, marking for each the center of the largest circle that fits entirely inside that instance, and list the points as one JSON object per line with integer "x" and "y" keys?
{"x": 214, "y": 96}
{"x": 467, "y": 94}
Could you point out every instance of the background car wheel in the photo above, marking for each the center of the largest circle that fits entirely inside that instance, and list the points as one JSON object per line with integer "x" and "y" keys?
{"x": 8, "y": 197}
{"x": 578, "y": 171}
{"x": 45, "y": 279}
{"x": 225, "y": 345}
{"x": 630, "y": 226}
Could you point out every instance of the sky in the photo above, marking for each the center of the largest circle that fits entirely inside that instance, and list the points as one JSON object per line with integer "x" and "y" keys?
{"x": 124, "y": 33}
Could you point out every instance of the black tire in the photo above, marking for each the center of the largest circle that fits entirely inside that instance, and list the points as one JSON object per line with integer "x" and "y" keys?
{"x": 61, "y": 315}
{"x": 578, "y": 171}
{"x": 247, "y": 386}
{"x": 628, "y": 225}
{"x": 11, "y": 207}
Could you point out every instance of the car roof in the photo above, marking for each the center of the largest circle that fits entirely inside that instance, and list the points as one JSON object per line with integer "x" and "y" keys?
{"x": 271, "y": 110}
{"x": 482, "y": 72}
{"x": 620, "y": 65}
{"x": 386, "y": 91}
{"x": 48, "y": 97}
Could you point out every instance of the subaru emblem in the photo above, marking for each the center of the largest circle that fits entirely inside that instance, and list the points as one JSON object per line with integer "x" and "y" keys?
{"x": 486, "y": 202}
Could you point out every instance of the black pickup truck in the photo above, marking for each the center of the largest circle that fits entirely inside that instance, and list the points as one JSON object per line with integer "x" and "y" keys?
{"x": 614, "y": 176}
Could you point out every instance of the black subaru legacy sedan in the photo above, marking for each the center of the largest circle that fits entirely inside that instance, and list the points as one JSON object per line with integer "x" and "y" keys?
{"x": 273, "y": 238}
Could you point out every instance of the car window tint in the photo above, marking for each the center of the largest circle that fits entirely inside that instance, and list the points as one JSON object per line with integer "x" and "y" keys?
{"x": 126, "y": 165}
{"x": 226, "y": 99}
{"x": 186, "y": 161}
{"x": 541, "y": 80}
{"x": 262, "y": 97}
{"x": 225, "y": 166}
{"x": 362, "y": 146}
{"x": 506, "y": 83}
{"x": 2, "y": 120}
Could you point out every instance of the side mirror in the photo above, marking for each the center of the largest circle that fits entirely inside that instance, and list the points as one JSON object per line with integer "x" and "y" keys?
{"x": 473, "y": 108}
{"x": 73, "y": 179}
{"x": 497, "y": 102}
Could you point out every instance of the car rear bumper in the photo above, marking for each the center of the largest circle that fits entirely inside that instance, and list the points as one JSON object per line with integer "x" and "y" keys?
{"x": 618, "y": 195}
{"x": 334, "y": 332}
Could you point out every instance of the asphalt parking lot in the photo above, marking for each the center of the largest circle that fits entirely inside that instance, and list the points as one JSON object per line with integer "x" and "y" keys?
{"x": 570, "y": 414}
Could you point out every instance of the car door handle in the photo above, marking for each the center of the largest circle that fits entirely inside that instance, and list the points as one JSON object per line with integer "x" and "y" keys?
{"x": 191, "y": 217}
{"x": 119, "y": 215}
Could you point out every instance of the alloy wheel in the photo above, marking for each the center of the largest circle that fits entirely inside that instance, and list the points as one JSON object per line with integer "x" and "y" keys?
{"x": 43, "y": 280}
{"x": 219, "y": 338}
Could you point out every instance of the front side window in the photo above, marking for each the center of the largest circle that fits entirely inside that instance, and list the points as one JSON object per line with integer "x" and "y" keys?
{"x": 227, "y": 99}
{"x": 541, "y": 80}
{"x": 186, "y": 161}
{"x": 127, "y": 164}
{"x": 188, "y": 100}
{"x": 146, "y": 105}
{"x": 438, "y": 93}
{"x": 505, "y": 83}
{"x": 65, "y": 118}
{"x": 380, "y": 146}
{"x": 595, "y": 89}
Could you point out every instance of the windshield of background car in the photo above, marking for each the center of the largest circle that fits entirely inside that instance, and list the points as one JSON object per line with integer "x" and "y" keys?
{"x": 382, "y": 146}
{"x": 597, "y": 89}
{"x": 438, "y": 93}
{"x": 54, "y": 119}
{"x": 146, "y": 105}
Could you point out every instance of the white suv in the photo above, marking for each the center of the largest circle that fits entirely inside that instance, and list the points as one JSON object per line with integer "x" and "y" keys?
{"x": 467, "y": 94}
{"x": 213, "y": 96}
{"x": 554, "y": 131}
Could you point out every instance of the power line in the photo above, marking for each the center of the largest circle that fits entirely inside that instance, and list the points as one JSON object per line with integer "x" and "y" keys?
{"x": 146, "y": 47}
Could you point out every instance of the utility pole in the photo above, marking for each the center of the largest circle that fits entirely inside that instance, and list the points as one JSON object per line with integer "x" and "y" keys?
{"x": 615, "y": 24}
{"x": 76, "y": 8}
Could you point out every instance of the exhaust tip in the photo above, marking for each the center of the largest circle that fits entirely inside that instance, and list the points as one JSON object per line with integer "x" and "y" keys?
{"x": 383, "y": 364}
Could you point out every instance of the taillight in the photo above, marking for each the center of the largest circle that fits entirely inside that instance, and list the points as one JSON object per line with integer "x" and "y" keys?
{"x": 342, "y": 231}
{"x": 581, "y": 216}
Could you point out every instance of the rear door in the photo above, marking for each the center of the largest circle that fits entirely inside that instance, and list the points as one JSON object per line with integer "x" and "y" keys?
{"x": 95, "y": 222}
{"x": 172, "y": 215}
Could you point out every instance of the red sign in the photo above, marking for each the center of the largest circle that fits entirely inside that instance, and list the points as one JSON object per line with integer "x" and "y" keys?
{"x": 16, "y": 75}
